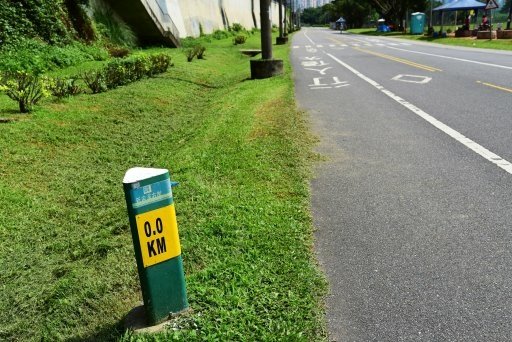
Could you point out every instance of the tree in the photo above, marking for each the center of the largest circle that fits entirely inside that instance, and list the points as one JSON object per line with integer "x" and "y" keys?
{"x": 395, "y": 10}
{"x": 355, "y": 12}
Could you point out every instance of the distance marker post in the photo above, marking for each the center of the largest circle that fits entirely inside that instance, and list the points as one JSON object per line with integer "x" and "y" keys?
{"x": 156, "y": 242}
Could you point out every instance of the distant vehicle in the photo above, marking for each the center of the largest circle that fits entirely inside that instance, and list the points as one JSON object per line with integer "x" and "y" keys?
{"x": 341, "y": 24}
{"x": 382, "y": 27}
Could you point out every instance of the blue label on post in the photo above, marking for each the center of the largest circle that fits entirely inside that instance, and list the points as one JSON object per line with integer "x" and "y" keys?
{"x": 151, "y": 193}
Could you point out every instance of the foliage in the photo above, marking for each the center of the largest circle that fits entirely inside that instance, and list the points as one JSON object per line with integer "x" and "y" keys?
{"x": 240, "y": 39}
{"x": 43, "y": 19}
{"x": 236, "y": 27}
{"x": 118, "y": 52}
{"x": 220, "y": 34}
{"x": 117, "y": 73}
{"x": 25, "y": 88}
{"x": 395, "y": 10}
{"x": 95, "y": 80}
{"x": 36, "y": 56}
{"x": 200, "y": 49}
{"x": 64, "y": 87}
{"x": 110, "y": 26}
{"x": 356, "y": 12}
{"x": 120, "y": 72}
{"x": 159, "y": 63}
{"x": 190, "y": 53}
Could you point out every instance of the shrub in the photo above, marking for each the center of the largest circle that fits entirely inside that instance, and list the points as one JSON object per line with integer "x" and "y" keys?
{"x": 142, "y": 67}
{"x": 123, "y": 71}
{"x": 240, "y": 39}
{"x": 219, "y": 34}
{"x": 159, "y": 63}
{"x": 190, "y": 53}
{"x": 118, "y": 52}
{"x": 200, "y": 51}
{"x": 95, "y": 80}
{"x": 237, "y": 27}
{"x": 64, "y": 87}
{"x": 116, "y": 74}
{"x": 25, "y": 88}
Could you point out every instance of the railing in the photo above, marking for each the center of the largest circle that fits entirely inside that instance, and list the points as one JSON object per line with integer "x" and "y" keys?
{"x": 163, "y": 20}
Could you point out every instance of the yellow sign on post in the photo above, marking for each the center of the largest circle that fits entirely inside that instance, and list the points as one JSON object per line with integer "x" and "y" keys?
{"x": 158, "y": 235}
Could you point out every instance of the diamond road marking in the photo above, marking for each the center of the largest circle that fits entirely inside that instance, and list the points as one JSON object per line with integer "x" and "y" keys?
{"x": 412, "y": 79}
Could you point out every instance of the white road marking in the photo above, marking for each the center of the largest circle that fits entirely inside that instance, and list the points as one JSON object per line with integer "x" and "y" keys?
{"x": 412, "y": 79}
{"x": 455, "y": 58}
{"x": 306, "y": 35}
{"x": 479, "y": 149}
{"x": 319, "y": 46}
{"x": 332, "y": 45}
{"x": 322, "y": 71}
{"x": 296, "y": 46}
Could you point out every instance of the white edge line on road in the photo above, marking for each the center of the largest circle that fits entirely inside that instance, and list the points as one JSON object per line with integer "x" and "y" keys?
{"x": 482, "y": 151}
{"x": 454, "y": 58}
{"x": 306, "y": 35}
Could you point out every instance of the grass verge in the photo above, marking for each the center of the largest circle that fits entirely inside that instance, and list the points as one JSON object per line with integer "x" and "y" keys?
{"x": 241, "y": 152}
{"x": 472, "y": 42}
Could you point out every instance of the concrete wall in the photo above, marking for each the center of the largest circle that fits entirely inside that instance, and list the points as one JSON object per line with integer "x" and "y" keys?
{"x": 213, "y": 15}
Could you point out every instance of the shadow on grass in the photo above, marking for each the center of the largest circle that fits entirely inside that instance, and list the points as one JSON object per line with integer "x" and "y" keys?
{"x": 11, "y": 112}
{"x": 204, "y": 85}
{"x": 108, "y": 333}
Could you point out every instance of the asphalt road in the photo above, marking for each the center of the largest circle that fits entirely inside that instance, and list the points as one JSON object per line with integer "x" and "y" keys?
{"x": 413, "y": 206}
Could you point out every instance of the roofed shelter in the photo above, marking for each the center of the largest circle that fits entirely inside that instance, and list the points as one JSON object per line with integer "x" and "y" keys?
{"x": 459, "y": 5}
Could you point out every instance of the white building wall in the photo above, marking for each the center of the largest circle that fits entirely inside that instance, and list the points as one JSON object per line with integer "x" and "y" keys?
{"x": 189, "y": 15}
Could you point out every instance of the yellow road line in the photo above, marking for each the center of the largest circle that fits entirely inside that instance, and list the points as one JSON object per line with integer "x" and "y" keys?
{"x": 399, "y": 60}
{"x": 336, "y": 40}
{"x": 495, "y": 86}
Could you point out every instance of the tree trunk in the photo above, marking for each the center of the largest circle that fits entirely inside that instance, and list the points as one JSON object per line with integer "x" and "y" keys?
{"x": 266, "y": 30}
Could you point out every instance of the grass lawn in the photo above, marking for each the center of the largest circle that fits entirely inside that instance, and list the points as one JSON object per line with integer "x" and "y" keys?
{"x": 241, "y": 152}
{"x": 497, "y": 44}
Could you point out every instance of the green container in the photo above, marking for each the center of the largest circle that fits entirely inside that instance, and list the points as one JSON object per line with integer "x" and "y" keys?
{"x": 417, "y": 23}
{"x": 156, "y": 242}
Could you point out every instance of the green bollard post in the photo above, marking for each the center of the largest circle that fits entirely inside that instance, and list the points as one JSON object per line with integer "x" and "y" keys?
{"x": 156, "y": 242}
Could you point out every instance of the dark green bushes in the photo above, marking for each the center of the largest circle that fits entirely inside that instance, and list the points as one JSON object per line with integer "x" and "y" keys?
{"x": 42, "y": 19}
{"x": 236, "y": 27}
{"x": 123, "y": 71}
{"x": 240, "y": 39}
{"x": 195, "y": 51}
{"x": 35, "y": 56}
{"x": 28, "y": 88}
{"x": 95, "y": 81}
{"x": 65, "y": 87}
{"x": 219, "y": 34}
